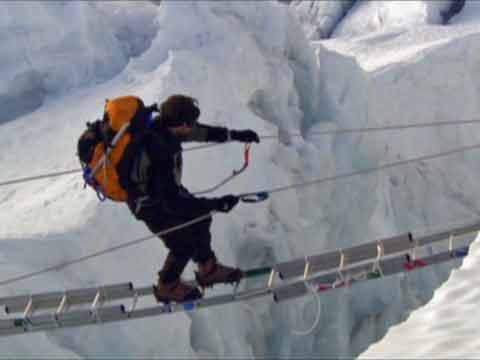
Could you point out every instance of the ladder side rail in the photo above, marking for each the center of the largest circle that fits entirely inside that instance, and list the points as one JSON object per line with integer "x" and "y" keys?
{"x": 397, "y": 244}
{"x": 87, "y": 295}
{"x": 444, "y": 235}
{"x": 107, "y": 314}
{"x": 392, "y": 245}
{"x": 199, "y": 304}
{"x": 18, "y": 303}
{"x": 331, "y": 259}
{"x": 360, "y": 253}
{"x": 75, "y": 297}
{"x": 144, "y": 291}
{"x": 391, "y": 266}
{"x": 118, "y": 313}
{"x": 290, "y": 268}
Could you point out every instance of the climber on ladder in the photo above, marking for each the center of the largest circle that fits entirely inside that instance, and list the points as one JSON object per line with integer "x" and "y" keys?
{"x": 135, "y": 157}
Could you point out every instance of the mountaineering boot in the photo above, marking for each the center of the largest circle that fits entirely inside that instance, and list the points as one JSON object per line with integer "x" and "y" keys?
{"x": 176, "y": 291}
{"x": 212, "y": 272}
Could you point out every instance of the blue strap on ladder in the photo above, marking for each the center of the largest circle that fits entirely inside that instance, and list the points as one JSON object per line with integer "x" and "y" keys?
{"x": 461, "y": 252}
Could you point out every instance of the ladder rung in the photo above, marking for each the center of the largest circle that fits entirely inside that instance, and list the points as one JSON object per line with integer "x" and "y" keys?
{"x": 457, "y": 232}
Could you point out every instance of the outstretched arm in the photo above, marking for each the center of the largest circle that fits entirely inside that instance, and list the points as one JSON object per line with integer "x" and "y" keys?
{"x": 206, "y": 133}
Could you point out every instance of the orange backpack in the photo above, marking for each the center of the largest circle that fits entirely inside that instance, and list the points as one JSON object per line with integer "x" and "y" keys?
{"x": 103, "y": 146}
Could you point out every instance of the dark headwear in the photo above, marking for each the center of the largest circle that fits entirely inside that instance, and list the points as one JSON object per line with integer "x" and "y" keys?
{"x": 178, "y": 110}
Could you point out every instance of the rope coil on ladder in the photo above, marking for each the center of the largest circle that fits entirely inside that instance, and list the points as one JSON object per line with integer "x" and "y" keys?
{"x": 309, "y": 330}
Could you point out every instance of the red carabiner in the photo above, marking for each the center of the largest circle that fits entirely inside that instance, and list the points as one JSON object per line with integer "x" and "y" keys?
{"x": 247, "y": 153}
{"x": 246, "y": 160}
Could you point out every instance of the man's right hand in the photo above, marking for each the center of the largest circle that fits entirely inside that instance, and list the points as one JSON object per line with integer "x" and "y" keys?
{"x": 226, "y": 203}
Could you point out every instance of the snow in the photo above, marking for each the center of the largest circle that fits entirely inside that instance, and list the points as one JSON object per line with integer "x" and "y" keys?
{"x": 319, "y": 18}
{"x": 445, "y": 327}
{"x": 39, "y": 60}
{"x": 349, "y": 18}
{"x": 250, "y": 65}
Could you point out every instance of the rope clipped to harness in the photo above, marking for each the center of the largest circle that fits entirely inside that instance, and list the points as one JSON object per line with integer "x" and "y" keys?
{"x": 89, "y": 179}
{"x": 235, "y": 173}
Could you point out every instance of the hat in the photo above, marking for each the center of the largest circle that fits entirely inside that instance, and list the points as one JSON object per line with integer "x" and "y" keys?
{"x": 178, "y": 110}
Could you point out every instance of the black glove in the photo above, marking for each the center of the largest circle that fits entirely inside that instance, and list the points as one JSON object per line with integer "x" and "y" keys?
{"x": 153, "y": 107}
{"x": 225, "y": 203}
{"x": 246, "y": 136}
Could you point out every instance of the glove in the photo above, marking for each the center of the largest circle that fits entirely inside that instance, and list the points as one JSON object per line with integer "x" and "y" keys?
{"x": 153, "y": 107}
{"x": 246, "y": 136}
{"x": 225, "y": 203}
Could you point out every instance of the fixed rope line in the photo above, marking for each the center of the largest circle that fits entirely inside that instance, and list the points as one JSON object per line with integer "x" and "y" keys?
{"x": 103, "y": 252}
{"x": 39, "y": 177}
{"x": 355, "y": 130}
{"x": 203, "y": 217}
{"x": 368, "y": 170}
{"x": 269, "y": 137}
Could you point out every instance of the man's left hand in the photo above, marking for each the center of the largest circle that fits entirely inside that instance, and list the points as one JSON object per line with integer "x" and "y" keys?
{"x": 246, "y": 136}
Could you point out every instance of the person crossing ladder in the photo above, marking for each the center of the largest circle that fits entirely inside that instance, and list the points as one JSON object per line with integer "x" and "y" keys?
{"x": 135, "y": 157}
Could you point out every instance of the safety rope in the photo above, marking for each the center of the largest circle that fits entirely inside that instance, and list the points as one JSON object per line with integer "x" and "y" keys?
{"x": 246, "y": 197}
{"x": 235, "y": 173}
{"x": 355, "y": 130}
{"x": 39, "y": 177}
{"x": 105, "y": 251}
{"x": 267, "y": 137}
{"x": 311, "y": 289}
{"x": 365, "y": 171}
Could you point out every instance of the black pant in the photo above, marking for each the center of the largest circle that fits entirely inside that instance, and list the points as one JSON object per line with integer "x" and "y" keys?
{"x": 192, "y": 242}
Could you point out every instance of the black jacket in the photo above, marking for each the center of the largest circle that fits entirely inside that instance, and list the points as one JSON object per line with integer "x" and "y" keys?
{"x": 155, "y": 172}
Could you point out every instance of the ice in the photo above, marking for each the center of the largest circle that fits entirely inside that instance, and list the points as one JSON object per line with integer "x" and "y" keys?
{"x": 250, "y": 65}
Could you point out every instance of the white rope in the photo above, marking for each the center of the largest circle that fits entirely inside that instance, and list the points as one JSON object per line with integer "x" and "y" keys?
{"x": 356, "y": 130}
{"x": 103, "y": 252}
{"x": 368, "y": 170}
{"x": 266, "y": 137}
{"x": 318, "y": 312}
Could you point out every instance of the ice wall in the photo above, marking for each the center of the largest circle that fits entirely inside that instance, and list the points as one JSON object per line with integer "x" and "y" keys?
{"x": 381, "y": 80}
{"x": 331, "y": 19}
{"x": 250, "y": 66}
{"x": 50, "y": 47}
{"x": 319, "y": 18}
